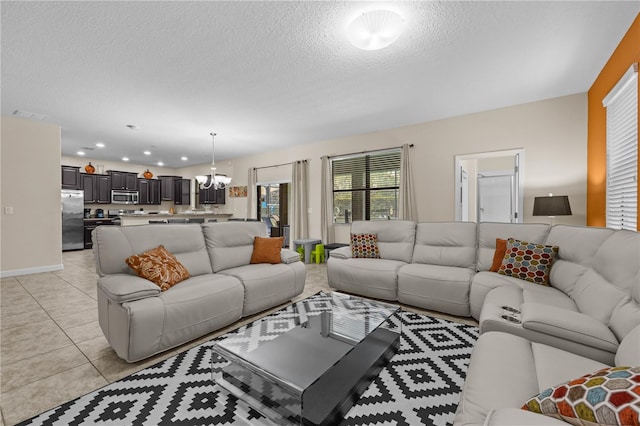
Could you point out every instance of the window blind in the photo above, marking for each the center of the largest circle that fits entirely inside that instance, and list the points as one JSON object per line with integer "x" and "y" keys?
{"x": 366, "y": 186}
{"x": 622, "y": 152}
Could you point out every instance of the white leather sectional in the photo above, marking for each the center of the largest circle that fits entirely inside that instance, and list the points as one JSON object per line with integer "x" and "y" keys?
{"x": 139, "y": 320}
{"x": 561, "y": 331}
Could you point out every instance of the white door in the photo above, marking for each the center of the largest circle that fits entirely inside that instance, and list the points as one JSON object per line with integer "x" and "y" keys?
{"x": 464, "y": 195}
{"x": 495, "y": 198}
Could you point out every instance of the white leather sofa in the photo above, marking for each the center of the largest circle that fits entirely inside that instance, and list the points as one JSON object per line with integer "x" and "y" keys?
{"x": 588, "y": 317}
{"x": 139, "y": 320}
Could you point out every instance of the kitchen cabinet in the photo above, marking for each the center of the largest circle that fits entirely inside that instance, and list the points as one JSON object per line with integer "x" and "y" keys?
{"x": 167, "y": 186}
{"x": 89, "y": 226}
{"x": 149, "y": 191}
{"x": 211, "y": 196}
{"x": 97, "y": 188}
{"x": 70, "y": 177}
{"x": 123, "y": 180}
{"x": 182, "y": 191}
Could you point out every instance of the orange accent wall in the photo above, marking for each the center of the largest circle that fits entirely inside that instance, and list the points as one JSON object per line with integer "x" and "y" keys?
{"x": 627, "y": 52}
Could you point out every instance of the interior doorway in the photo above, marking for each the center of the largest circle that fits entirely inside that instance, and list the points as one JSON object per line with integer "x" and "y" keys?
{"x": 489, "y": 186}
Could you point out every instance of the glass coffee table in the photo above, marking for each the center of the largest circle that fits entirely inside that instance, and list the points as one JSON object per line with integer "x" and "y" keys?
{"x": 311, "y": 367}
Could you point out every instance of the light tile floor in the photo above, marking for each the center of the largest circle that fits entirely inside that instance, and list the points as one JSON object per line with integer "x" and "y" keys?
{"x": 52, "y": 349}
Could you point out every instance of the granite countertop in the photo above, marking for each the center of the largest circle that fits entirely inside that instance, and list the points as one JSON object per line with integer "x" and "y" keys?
{"x": 181, "y": 214}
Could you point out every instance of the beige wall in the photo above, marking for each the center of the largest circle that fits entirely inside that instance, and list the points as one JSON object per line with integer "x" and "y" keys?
{"x": 552, "y": 133}
{"x": 30, "y": 182}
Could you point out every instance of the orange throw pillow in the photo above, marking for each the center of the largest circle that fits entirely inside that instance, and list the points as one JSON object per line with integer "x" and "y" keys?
{"x": 501, "y": 248}
{"x": 266, "y": 250}
{"x": 158, "y": 266}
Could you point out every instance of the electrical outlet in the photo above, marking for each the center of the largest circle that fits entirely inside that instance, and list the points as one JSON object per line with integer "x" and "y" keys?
{"x": 8, "y": 210}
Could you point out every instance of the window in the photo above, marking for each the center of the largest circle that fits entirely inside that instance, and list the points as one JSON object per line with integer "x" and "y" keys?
{"x": 622, "y": 152}
{"x": 366, "y": 186}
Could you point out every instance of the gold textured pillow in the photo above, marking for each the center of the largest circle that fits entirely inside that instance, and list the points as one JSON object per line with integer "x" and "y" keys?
{"x": 158, "y": 266}
{"x": 266, "y": 250}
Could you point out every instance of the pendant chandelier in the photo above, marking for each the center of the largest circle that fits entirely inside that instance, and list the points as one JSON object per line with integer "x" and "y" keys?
{"x": 214, "y": 180}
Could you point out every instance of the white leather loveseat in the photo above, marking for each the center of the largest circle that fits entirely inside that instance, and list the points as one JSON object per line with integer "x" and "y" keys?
{"x": 139, "y": 320}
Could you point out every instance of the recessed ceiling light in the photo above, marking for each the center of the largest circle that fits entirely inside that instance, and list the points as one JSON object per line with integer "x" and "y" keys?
{"x": 160, "y": 163}
{"x": 100, "y": 145}
{"x": 125, "y": 158}
{"x": 147, "y": 153}
{"x": 80, "y": 153}
{"x": 184, "y": 158}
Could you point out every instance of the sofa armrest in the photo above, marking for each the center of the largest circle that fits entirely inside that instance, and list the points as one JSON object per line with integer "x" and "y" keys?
{"x": 570, "y": 325}
{"x": 517, "y": 416}
{"x": 341, "y": 253}
{"x": 121, "y": 288}
{"x": 289, "y": 256}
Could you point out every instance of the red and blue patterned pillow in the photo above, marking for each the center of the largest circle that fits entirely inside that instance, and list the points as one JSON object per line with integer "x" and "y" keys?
{"x": 528, "y": 261}
{"x": 610, "y": 396}
{"x": 365, "y": 246}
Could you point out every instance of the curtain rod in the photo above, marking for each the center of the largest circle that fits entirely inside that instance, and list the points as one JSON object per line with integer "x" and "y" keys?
{"x": 367, "y": 152}
{"x": 278, "y": 165}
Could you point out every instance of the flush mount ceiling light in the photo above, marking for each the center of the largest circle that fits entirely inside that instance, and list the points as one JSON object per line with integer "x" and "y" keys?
{"x": 217, "y": 181}
{"x": 375, "y": 30}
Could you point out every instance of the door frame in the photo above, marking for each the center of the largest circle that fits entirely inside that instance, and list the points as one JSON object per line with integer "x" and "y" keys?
{"x": 518, "y": 161}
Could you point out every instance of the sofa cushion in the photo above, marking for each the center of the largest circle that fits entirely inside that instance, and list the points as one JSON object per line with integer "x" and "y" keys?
{"x": 445, "y": 244}
{"x": 610, "y": 280}
{"x": 528, "y": 261}
{"x": 629, "y": 350}
{"x": 266, "y": 285}
{"x": 435, "y": 287}
{"x": 506, "y": 370}
{"x": 396, "y": 238}
{"x": 266, "y": 250}
{"x": 158, "y": 266}
{"x": 230, "y": 244}
{"x": 364, "y": 246}
{"x": 483, "y": 282}
{"x": 113, "y": 244}
{"x": 610, "y": 396}
{"x": 377, "y": 278}
{"x": 488, "y": 232}
{"x": 578, "y": 247}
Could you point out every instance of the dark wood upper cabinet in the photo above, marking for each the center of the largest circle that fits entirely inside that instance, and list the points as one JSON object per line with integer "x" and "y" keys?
{"x": 97, "y": 188}
{"x": 71, "y": 177}
{"x": 123, "y": 180}
{"x": 211, "y": 196}
{"x": 149, "y": 191}
{"x": 167, "y": 187}
{"x": 182, "y": 191}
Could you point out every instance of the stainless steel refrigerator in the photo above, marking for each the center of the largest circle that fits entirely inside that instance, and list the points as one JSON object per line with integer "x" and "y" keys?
{"x": 72, "y": 219}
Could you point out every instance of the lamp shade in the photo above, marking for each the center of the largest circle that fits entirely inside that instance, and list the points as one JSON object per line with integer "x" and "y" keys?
{"x": 556, "y": 205}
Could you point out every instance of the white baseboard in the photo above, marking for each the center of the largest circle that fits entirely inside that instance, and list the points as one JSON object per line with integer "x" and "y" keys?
{"x": 27, "y": 271}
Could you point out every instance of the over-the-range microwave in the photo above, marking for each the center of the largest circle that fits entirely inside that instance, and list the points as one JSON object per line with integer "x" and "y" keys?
{"x": 124, "y": 197}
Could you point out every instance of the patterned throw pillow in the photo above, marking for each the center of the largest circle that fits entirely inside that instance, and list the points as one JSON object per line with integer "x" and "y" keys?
{"x": 528, "y": 261}
{"x": 364, "y": 246}
{"x": 610, "y": 396}
{"x": 158, "y": 266}
{"x": 266, "y": 250}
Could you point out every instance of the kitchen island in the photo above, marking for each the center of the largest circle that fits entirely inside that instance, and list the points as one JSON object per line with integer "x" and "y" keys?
{"x": 133, "y": 219}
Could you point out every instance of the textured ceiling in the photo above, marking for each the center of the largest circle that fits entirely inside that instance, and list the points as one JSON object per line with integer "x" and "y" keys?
{"x": 267, "y": 75}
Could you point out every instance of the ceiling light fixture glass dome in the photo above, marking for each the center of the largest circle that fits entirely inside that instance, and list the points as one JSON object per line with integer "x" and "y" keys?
{"x": 375, "y": 30}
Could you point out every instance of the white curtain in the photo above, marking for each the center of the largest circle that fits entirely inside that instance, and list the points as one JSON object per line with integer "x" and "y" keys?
{"x": 299, "y": 221}
{"x": 407, "y": 209}
{"x": 326, "y": 203}
{"x": 252, "y": 207}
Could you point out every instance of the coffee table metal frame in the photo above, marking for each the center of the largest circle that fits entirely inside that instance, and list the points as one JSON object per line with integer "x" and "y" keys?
{"x": 315, "y": 369}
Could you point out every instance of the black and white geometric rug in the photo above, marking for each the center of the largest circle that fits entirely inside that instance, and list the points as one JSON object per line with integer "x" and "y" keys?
{"x": 420, "y": 385}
